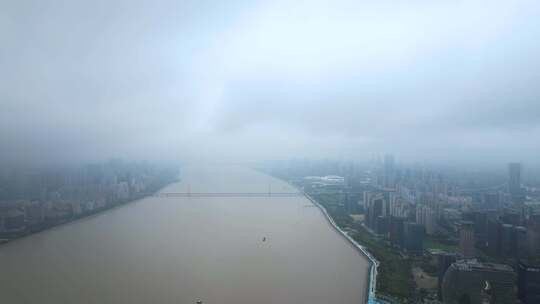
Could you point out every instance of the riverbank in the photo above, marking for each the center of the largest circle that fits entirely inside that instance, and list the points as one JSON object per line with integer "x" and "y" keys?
{"x": 372, "y": 279}
{"x": 207, "y": 248}
{"x": 394, "y": 278}
{"x": 8, "y": 237}
{"x": 371, "y": 285}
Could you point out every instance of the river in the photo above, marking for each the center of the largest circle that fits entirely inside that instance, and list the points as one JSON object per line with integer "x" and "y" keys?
{"x": 178, "y": 250}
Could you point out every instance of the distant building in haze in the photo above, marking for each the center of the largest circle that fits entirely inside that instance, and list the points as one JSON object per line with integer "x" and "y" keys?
{"x": 494, "y": 237}
{"x": 522, "y": 246}
{"x": 381, "y": 225}
{"x": 480, "y": 220}
{"x": 444, "y": 260}
{"x": 491, "y": 200}
{"x": 351, "y": 203}
{"x": 514, "y": 179}
{"x": 14, "y": 220}
{"x": 35, "y": 213}
{"x": 509, "y": 241}
{"x": 396, "y": 230}
{"x": 426, "y": 216}
{"x": 414, "y": 237}
{"x": 466, "y": 239}
{"x": 373, "y": 204}
{"x": 533, "y": 235}
{"x": 389, "y": 171}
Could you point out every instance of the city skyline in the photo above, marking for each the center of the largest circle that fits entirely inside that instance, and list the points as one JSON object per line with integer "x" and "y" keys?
{"x": 238, "y": 152}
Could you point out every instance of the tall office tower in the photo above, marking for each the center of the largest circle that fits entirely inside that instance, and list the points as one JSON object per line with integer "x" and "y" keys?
{"x": 351, "y": 203}
{"x": 413, "y": 237}
{"x": 426, "y": 216}
{"x": 375, "y": 210}
{"x": 494, "y": 237}
{"x": 367, "y": 198}
{"x": 480, "y": 220}
{"x": 444, "y": 259}
{"x": 465, "y": 281}
{"x": 514, "y": 179}
{"x": 373, "y": 206}
{"x": 491, "y": 200}
{"x": 533, "y": 235}
{"x": 389, "y": 171}
{"x": 508, "y": 241}
{"x": 522, "y": 246}
{"x": 466, "y": 239}
{"x": 396, "y": 230}
{"x": 381, "y": 225}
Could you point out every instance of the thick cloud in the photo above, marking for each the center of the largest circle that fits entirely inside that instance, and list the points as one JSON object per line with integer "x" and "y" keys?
{"x": 246, "y": 80}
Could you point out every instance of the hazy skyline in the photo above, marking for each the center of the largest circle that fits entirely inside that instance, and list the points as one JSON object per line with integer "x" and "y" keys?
{"x": 251, "y": 80}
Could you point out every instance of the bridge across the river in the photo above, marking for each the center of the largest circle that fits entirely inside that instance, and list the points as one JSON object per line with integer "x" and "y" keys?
{"x": 249, "y": 194}
{"x": 229, "y": 194}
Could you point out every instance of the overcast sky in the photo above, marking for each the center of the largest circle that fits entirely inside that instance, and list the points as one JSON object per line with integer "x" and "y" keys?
{"x": 443, "y": 80}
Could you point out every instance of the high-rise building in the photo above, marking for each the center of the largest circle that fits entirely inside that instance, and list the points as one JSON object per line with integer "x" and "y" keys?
{"x": 480, "y": 220}
{"x": 351, "y": 203}
{"x": 444, "y": 260}
{"x": 425, "y": 216}
{"x": 466, "y": 239}
{"x": 514, "y": 179}
{"x": 533, "y": 235}
{"x": 466, "y": 281}
{"x": 494, "y": 237}
{"x": 511, "y": 217}
{"x": 14, "y": 220}
{"x": 413, "y": 237}
{"x": 491, "y": 199}
{"x": 389, "y": 171}
{"x": 381, "y": 225}
{"x": 522, "y": 246}
{"x": 398, "y": 206}
{"x": 508, "y": 240}
{"x": 35, "y": 213}
{"x": 396, "y": 230}
{"x": 373, "y": 204}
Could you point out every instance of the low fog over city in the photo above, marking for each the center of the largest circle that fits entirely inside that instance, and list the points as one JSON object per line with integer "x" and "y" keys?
{"x": 270, "y": 152}
{"x": 252, "y": 80}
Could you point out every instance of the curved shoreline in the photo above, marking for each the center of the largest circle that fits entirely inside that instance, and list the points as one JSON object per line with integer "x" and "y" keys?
{"x": 372, "y": 278}
{"x": 84, "y": 216}
{"x": 370, "y": 297}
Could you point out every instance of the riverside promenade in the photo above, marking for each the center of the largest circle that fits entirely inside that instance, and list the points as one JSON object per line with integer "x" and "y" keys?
{"x": 372, "y": 282}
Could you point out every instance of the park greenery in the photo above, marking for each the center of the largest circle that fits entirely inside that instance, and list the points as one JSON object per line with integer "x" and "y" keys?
{"x": 394, "y": 271}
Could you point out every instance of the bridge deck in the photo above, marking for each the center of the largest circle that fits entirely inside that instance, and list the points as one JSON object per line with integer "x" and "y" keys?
{"x": 229, "y": 194}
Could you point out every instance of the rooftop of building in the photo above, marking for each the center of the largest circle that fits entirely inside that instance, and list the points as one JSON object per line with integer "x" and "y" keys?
{"x": 474, "y": 265}
{"x": 531, "y": 262}
{"x": 441, "y": 252}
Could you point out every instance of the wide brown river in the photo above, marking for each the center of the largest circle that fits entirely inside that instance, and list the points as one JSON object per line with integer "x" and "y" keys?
{"x": 179, "y": 250}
